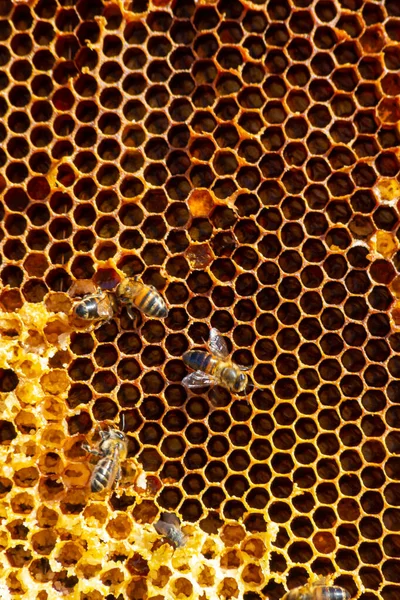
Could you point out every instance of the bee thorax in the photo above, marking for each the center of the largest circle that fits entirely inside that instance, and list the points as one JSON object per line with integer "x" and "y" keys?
{"x": 228, "y": 376}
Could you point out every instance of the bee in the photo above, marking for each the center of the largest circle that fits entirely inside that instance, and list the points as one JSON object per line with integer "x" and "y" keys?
{"x": 170, "y": 526}
{"x": 317, "y": 591}
{"x": 94, "y": 307}
{"x": 214, "y": 368}
{"x": 133, "y": 293}
{"x": 112, "y": 449}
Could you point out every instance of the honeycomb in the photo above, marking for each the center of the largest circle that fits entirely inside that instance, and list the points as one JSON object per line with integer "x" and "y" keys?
{"x": 242, "y": 157}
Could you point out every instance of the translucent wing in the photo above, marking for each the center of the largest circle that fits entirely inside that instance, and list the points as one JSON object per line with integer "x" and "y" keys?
{"x": 170, "y": 518}
{"x": 243, "y": 367}
{"x": 217, "y": 344}
{"x": 162, "y": 528}
{"x": 82, "y": 287}
{"x": 105, "y": 307}
{"x": 197, "y": 379}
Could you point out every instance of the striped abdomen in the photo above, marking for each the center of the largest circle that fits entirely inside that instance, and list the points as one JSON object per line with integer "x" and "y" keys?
{"x": 318, "y": 592}
{"x": 199, "y": 361}
{"x": 149, "y": 302}
{"x": 323, "y": 592}
{"x": 105, "y": 472}
{"x": 87, "y": 309}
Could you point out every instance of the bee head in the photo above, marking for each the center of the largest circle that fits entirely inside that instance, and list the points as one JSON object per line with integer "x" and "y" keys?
{"x": 240, "y": 383}
{"x": 111, "y": 433}
{"x": 127, "y": 290}
{"x": 123, "y": 292}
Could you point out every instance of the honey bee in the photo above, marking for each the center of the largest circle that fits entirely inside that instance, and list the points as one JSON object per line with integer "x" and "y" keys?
{"x": 94, "y": 307}
{"x": 214, "y": 368}
{"x": 169, "y": 525}
{"x": 317, "y": 591}
{"x": 112, "y": 449}
{"x": 132, "y": 293}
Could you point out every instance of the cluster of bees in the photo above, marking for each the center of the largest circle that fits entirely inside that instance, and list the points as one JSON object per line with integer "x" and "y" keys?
{"x": 209, "y": 368}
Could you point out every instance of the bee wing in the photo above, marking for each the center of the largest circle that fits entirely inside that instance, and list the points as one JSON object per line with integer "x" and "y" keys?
{"x": 197, "y": 379}
{"x": 217, "y": 344}
{"x": 82, "y": 287}
{"x": 162, "y": 528}
{"x": 243, "y": 367}
{"x": 105, "y": 308}
{"x": 170, "y": 518}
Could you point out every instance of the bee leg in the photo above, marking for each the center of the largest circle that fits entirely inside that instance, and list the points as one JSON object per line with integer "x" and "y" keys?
{"x": 132, "y": 316}
{"x": 91, "y": 450}
{"x": 117, "y": 477}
